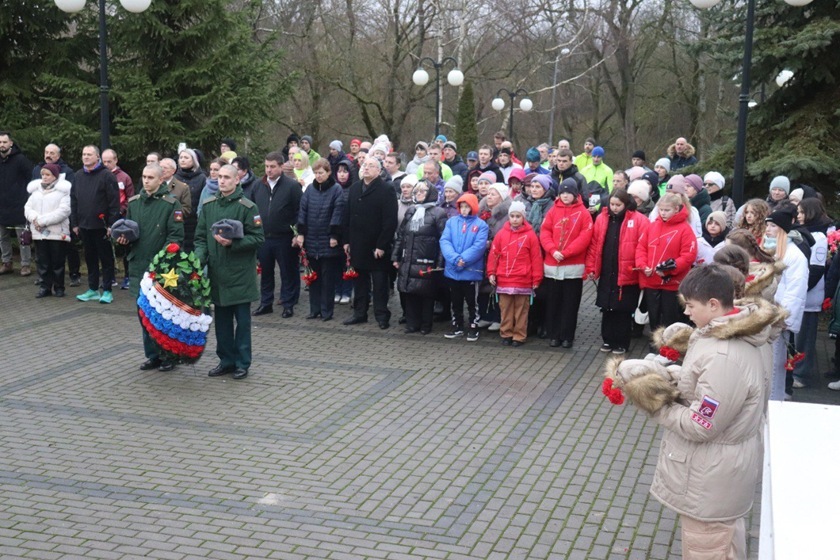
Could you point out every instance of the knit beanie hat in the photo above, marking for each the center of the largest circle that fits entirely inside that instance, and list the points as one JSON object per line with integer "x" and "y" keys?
{"x": 716, "y": 178}
{"x": 440, "y": 138}
{"x": 532, "y": 154}
{"x": 355, "y": 141}
{"x": 516, "y": 206}
{"x": 487, "y": 176}
{"x": 451, "y": 144}
{"x": 652, "y": 177}
{"x": 52, "y": 168}
{"x": 636, "y": 172}
{"x": 568, "y": 186}
{"x": 336, "y": 145}
{"x": 455, "y": 183}
{"x": 718, "y": 217}
{"x": 471, "y": 200}
{"x": 409, "y": 180}
{"x": 780, "y": 182}
{"x": 639, "y": 188}
{"x": 500, "y": 188}
{"x": 796, "y": 195}
{"x": 664, "y": 162}
{"x": 782, "y": 218}
{"x": 229, "y": 142}
{"x": 695, "y": 181}
{"x": 381, "y": 147}
{"x": 543, "y": 180}
{"x": 422, "y": 145}
{"x": 639, "y": 154}
{"x": 676, "y": 184}
{"x": 229, "y": 156}
{"x": 307, "y": 138}
{"x": 597, "y": 151}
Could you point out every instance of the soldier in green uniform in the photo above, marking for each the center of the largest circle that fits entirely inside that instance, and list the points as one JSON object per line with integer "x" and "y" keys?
{"x": 232, "y": 265}
{"x": 161, "y": 221}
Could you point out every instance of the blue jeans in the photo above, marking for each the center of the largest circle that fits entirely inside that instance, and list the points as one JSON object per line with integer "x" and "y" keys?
{"x": 279, "y": 250}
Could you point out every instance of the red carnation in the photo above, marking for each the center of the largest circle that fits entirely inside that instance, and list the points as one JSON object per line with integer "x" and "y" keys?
{"x": 195, "y": 276}
{"x": 101, "y": 216}
{"x": 669, "y": 353}
{"x": 614, "y": 394}
{"x": 173, "y": 248}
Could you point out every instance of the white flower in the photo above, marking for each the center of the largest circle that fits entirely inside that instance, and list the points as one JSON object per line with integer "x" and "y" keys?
{"x": 167, "y": 315}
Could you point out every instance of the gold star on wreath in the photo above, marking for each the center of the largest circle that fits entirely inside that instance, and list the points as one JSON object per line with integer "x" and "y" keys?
{"x": 170, "y": 279}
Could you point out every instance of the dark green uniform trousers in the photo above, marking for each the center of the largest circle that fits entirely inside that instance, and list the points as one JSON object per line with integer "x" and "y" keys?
{"x": 233, "y": 343}
{"x": 150, "y": 347}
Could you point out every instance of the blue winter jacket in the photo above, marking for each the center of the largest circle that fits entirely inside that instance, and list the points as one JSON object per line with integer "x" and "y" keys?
{"x": 464, "y": 238}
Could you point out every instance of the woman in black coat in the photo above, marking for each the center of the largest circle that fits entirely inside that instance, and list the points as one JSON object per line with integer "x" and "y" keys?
{"x": 416, "y": 254}
{"x": 319, "y": 225}
{"x": 191, "y": 174}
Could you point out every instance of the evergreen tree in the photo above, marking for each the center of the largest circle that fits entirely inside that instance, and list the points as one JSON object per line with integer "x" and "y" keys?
{"x": 466, "y": 131}
{"x": 182, "y": 71}
{"x": 796, "y": 130}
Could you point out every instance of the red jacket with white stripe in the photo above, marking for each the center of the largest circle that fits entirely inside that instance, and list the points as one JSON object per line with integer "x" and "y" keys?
{"x": 567, "y": 229}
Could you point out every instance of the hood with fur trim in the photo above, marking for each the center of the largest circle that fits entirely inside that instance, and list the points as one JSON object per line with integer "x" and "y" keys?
{"x": 757, "y": 322}
{"x": 689, "y": 151}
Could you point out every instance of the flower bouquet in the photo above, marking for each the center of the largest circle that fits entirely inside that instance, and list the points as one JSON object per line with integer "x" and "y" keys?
{"x": 833, "y": 242}
{"x": 349, "y": 272}
{"x": 172, "y": 295}
{"x": 309, "y": 275}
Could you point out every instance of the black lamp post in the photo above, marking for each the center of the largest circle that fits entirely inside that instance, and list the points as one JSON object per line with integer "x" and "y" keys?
{"x": 73, "y": 6}
{"x": 421, "y": 78}
{"x": 525, "y": 104}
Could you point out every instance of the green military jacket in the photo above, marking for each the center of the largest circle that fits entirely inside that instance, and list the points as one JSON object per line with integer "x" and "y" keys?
{"x": 161, "y": 222}
{"x": 232, "y": 270}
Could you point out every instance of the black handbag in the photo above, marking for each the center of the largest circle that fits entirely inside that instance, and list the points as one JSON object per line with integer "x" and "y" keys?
{"x": 25, "y": 238}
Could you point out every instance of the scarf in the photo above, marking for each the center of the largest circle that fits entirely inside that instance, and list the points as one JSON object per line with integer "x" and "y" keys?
{"x": 419, "y": 216}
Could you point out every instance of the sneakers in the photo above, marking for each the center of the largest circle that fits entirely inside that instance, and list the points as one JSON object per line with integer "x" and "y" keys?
{"x": 606, "y": 348}
{"x": 344, "y": 300}
{"x": 484, "y": 324}
{"x": 494, "y": 327}
{"x": 798, "y": 384}
{"x": 454, "y": 332}
{"x": 25, "y": 271}
{"x": 125, "y": 284}
{"x": 90, "y": 295}
{"x": 106, "y": 297}
{"x": 75, "y": 281}
{"x": 337, "y": 299}
{"x": 472, "y": 334}
{"x": 834, "y": 385}
{"x": 618, "y": 350}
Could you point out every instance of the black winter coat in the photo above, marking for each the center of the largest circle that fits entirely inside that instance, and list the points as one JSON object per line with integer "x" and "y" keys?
{"x": 14, "y": 177}
{"x": 418, "y": 251}
{"x": 93, "y": 194}
{"x": 370, "y": 221}
{"x": 320, "y": 219}
{"x": 458, "y": 167}
{"x": 278, "y": 209}
{"x": 611, "y": 296}
{"x": 195, "y": 180}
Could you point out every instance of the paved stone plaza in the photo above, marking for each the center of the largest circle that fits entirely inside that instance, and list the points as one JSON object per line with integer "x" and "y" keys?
{"x": 345, "y": 442}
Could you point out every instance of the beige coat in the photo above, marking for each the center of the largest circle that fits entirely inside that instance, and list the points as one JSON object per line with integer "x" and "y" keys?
{"x": 711, "y": 452}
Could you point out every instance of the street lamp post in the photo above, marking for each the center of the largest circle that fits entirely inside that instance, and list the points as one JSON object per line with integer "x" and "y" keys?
{"x": 73, "y": 6}
{"x": 744, "y": 97}
{"x": 421, "y": 78}
{"x": 525, "y": 104}
{"x": 563, "y": 52}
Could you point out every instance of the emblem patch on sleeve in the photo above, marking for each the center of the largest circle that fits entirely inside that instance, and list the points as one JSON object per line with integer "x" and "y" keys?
{"x": 179, "y": 216}
{"x": 708, "y": 407}
{"x": 257, "y": 220}
{"x": 702, "y": 421}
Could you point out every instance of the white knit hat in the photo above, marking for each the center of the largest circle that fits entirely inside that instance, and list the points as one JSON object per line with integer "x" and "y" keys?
{"x": 516, "y": 206}
{"x": 502, "y": 189}
{"x": 639, "y": 188}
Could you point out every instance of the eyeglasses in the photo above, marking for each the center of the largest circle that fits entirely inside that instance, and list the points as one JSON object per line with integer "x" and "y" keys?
{"x": 710, "y": 184}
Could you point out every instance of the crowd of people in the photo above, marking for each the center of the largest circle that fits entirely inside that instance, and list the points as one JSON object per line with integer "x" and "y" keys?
{"x": 511, "y": 239}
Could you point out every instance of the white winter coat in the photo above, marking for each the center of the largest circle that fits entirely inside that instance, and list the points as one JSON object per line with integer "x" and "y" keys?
{"x": 705, "y": 252}
{"x": 51, "y": 207}
{"x": 793, "y": 286}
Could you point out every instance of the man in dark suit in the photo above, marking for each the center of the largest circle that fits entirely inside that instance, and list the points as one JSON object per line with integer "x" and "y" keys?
{"x": 370, "y": 222}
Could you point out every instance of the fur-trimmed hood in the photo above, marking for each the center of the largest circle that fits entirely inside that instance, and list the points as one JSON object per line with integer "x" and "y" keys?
{"x": 689, "y": 151}
{"x": 764, "y": 277}
{"x": 648, "y": 384}
{"x": 757, "y": 322}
